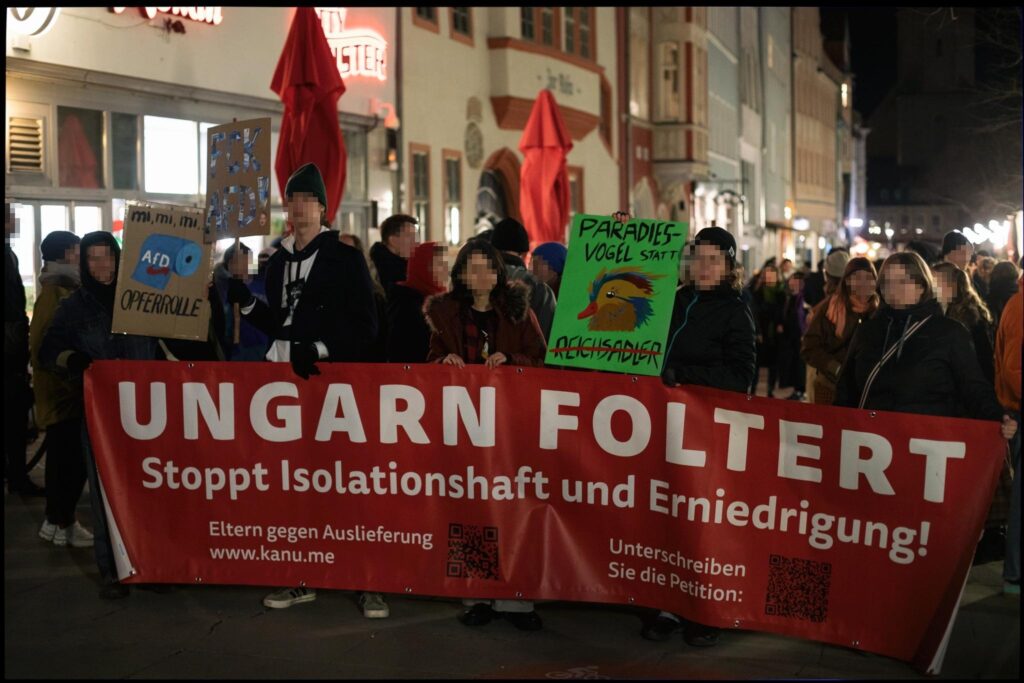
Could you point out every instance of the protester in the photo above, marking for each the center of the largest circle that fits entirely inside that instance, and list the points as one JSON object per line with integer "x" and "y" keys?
{"x": 960, "y": 302}
{"x": 814, "y": 285}
{"x": 833, "y": 323}
{"x": 408, "y": 338}
{"x": 391, "y": 254}
{"x": 548, "y": 263}
{"x": 252, "y": 342}
{"x": 712, "y": 344}
{"x": 486, "y": 319}
{"x": 792, "y": 372}
{"x": 378, "y": 349}
{"x": 510, "y": 238}
{"x": 79, "y": 334}
{"x": 984, "y": 263}
{"x": 925, "y": 250}
{"x": 1008, "y": 389}
{"x": 58, "y": 404}
{"x": 17, "y": 394}
{"x": 320, "y": 308}
{"x": 768, "y": 297}
{"x": 786, "y": 269}
{"x": 910, "y": 358}
{"x": 1002, "y": 284}
{"x": 956, "y": 249}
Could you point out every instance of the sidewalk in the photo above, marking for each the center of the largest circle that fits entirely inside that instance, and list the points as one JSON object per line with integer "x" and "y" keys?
{"x": 57, "y": 627}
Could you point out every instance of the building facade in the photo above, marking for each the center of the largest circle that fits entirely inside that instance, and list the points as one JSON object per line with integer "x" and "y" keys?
{"x": 777, "y": 167}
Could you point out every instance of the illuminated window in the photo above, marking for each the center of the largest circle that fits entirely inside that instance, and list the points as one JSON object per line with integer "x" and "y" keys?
{"x": 170, "y": 152}
{"x": 80, "y": 147}
{"x": 452, "y": 197}
{"x": 421, "y": 187}
{"x": 845, "y": 90}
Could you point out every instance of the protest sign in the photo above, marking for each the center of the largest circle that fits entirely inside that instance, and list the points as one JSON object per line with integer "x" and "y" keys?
{"x": 238, "y": 180}
{"x": 164, "y": 272}
{"x": 618, "y": 288}
{"x": 845, "y": 526}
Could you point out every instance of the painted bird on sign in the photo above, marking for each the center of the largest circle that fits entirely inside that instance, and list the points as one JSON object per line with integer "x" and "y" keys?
{"x": 620, "y": 300}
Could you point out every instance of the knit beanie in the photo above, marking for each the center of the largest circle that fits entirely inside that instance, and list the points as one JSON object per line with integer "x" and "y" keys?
{"x": 554, "y": 254}
{"x": 55, "y": 245}
{"x": 720, "y": 238}
{"x": 510, "y": 235}
{"x": 307, "y": 179}
{"x": 952, "y": 241}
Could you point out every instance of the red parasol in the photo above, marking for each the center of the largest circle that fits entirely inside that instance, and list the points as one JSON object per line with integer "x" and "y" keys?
{"x": 308, "y": 82}
{"x": 544, "y": 181}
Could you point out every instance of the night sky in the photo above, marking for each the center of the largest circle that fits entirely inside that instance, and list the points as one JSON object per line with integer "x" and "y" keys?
{"x": 872, "y": 51}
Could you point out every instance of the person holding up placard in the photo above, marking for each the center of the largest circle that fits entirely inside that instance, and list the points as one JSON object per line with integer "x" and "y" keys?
{"x": 321, "y": 308}
{"x": 711, "y": 343}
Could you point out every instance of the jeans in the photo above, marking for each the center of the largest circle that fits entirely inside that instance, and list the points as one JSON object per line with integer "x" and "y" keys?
{"x": 101, "y": 533}
{"x": 65, "y": 471}
{"x": 1011, "y": 561}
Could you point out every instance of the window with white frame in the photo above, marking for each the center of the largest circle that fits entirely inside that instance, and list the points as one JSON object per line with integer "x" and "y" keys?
{"x": 669, "y": 80}
{"x": 452, "y": 198}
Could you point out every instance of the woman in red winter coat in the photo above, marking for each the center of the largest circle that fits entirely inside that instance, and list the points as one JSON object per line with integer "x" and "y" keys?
{"x": 485, "y": 318}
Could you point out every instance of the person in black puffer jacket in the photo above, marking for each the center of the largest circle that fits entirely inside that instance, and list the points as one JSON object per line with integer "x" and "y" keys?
{"x": 928, "y": 362}
{"x": 712, "y": 343}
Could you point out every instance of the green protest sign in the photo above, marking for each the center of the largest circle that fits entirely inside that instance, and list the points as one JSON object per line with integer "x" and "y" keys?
{"x": 616, "y": 296}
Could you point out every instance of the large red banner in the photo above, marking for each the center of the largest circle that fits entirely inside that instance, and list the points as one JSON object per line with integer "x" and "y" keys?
{"x": 838, "y": 525}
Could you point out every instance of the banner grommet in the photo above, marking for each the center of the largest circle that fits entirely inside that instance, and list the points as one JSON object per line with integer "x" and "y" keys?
{"x": 199, "y": 579}
{"x": 408, "y": 589}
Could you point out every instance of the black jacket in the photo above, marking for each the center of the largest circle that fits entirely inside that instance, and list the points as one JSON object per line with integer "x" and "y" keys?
{"x": 934, "y": 372}
{"x": 408, "y": 332}
{"x": 336, "y": 305}
{"x": 390, "y": 267}
{"x": 711, "y": 341}
{"x": 15, "y": 318}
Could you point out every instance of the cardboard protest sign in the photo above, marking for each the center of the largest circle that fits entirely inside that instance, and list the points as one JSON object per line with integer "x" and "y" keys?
{"x": 238, "y": 180}
{"x": 165, "y": 267}
{"x": 618, "y": 287}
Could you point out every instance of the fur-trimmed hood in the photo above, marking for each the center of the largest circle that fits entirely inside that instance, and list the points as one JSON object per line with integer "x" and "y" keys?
{"x": 513, "y": 304}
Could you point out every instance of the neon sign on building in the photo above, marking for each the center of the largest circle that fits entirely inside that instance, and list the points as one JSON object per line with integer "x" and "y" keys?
{"x": 358, "y": 51}
{"x": 208, "y": 15}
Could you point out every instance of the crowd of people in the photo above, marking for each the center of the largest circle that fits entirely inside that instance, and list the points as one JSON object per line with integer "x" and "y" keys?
{"x": 935, "y": 334}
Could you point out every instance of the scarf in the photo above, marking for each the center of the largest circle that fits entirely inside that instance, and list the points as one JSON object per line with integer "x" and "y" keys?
{"x": 836, "y": 312}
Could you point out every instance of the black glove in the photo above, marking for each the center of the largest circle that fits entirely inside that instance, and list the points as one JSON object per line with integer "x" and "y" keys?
{"x": 238, "y": 293}
{"x": 304, "y": 358}
{"x": 668, "y": 377}
{"x": 78, "y": 361}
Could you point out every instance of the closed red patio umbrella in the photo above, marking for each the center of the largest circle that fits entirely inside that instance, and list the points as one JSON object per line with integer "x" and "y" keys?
{"x": 544, "y": 181}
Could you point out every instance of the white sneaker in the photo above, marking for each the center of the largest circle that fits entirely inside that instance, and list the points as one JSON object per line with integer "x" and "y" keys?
{"x": 47, "y": 530}
{"x": 374, "y": 606}
{"x": 286, "y": 597}
{"x": 76, "y": 535}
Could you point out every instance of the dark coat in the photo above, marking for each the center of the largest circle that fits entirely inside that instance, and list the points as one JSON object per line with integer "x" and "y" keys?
{"x": 711, "y": 340}
{"x": 824, "y": 351}
{"x": 391, "y": 268}
{"x": 935, "y": 373}
{"x": 767, "y": 317}
{"x": 408, "y": 332}
{"x": 336, "y": 306}
{"x": 15, "y": 318}
{"x": 518, "y": 335}
{"x": 82, "y": 324}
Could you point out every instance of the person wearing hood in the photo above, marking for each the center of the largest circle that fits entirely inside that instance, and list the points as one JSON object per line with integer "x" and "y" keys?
{"x": 391, "y": 254}
{"x": 320, "y": 303}
{"x": 548, "y": 263}
{"x": 408, "y": 334}
{"x": 58, "y": 400}
{"x": 711, "y": 344}
{"x": 319, "y": 307}
{"x": 510, "y": 238}
{"x": 910, "y": 358}
{"x": 79, "y": 334}
{"x": 956, "y": 249}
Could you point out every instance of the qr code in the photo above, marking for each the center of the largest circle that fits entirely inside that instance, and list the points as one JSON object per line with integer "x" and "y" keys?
{"x": 797, "y": 588}
{"x": 473, "y": 552}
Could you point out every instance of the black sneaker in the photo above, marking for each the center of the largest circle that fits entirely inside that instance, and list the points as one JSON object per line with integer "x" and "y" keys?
{"x": 660, "y": 628}
{"x": 478, "y": 615}
{"x": 114, "y": 591}
{"x": 524, "y": 621}
{"x": 699, "y": 635}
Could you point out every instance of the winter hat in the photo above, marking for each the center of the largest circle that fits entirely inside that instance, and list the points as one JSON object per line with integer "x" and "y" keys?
{"x": 56, "y": 244}
{"x": 720, "y": 238}
{"x": 553, "y": 254}
{"x": 307, "y": 179}
{"x": 419, "y": 269}
{"x": 510, "y": 235}
{"x": 952, "y": 241}
{"x": 835, "y": 264}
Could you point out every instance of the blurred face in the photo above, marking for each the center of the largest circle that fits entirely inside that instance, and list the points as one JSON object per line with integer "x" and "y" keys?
{"x": 771, "y": 276}
{"x": 985, "y": 267}
{"x": 8, "y": 220}
{"x": 945, "y": 288}
{"x": 796, "y": 285}
{"x": 542, "y": 270}
{"x": 861, "y": 284}
{"x": 239, "y": 266}
{"x": 304, "y": 210}
{"x": 900, "y": 291}
{"x": 439, "y": 269}
{"x": 479, "y": 276}
{"x": 786, "y": 268}
{"x": 961, "y": 256}
{"x": 708, "y": 267}
{"x": 404, "y": 241}
{"x": 72, "y": 255}
{"x": 100, "y": 261}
